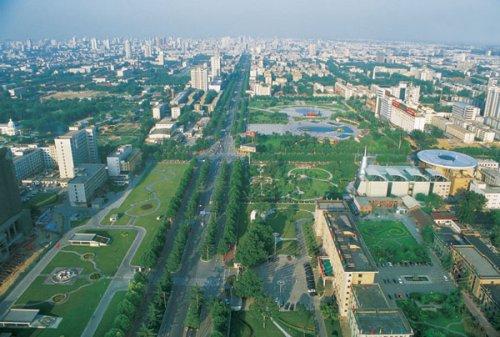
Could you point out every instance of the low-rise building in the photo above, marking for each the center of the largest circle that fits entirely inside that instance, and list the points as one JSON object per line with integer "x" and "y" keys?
{"x": 89, "y": 178}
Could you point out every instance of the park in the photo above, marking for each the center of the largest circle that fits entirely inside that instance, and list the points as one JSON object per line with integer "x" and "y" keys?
{"x": 146, "y": 204}
{"x": 72, "y": 284}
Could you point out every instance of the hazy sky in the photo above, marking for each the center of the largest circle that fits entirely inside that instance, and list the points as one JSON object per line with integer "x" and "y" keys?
{"x": 476, "y": 21}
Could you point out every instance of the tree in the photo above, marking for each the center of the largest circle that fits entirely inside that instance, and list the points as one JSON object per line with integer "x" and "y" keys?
{"x": 469, "y": 204}
{"x": 248, "y": 284}
{"x": 122, "y": 322}
{"x": 265, "y": 307}
{"x": 255, "y": 245}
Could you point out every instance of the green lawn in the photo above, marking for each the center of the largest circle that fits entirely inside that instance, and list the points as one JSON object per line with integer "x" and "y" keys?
{"x": 263, "y": 117}
{"x": 84, "y": 294}
{"x": 107, "y": 321}
{"x": 43, "y": 199}
{"x": 250, "y": 324}
{"x": 283, "y": 222}
{"x": 390, "y": 241}
{"x": 150, "y": 200}
{"x": 436, "y": 311}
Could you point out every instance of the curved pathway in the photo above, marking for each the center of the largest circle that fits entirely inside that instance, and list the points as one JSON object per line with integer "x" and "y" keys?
{"x": 121, "y": 277}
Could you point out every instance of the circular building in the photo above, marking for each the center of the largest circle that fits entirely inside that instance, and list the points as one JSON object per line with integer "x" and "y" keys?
{"x": 445, "y": 159}
{"x": 457, "y": 167}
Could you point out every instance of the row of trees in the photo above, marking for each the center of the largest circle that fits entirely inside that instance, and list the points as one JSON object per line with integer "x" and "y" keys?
{"x": 220, "y": 313}
{"x": 157, "y": 305}
{"x": 193, "y": 319}
{"x": 192, "y": 206}
{"x": 127, "y": 309}
{"x": 150, "y": 257}
{"x": 235, "y": 210}
{"x": 218, "y": 200}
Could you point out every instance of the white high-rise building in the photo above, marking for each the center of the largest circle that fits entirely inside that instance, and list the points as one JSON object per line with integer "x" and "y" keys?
{"x": 128, "y": 50}
{"x": 492, "y": 107}
{"x": 199, "y": 78}
{"x": 160, "y": 60}
{"x": 158, "y": 110}
{"x": 106, "y": 44}
{"x": 147, "y": 50}
{"x": 77, "y": 146}
{"x": 215, "y": 66}
{"x": 93, "y": 43}
{"x": 175, "y": 111}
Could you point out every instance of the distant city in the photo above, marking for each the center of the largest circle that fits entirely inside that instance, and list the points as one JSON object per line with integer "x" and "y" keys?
{"x": 243, "y": 186}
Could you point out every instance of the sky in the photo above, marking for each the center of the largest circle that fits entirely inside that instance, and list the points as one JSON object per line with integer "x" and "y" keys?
{"x": 461, "y": 21}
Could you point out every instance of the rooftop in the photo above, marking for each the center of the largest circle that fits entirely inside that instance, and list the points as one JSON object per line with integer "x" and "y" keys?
{"x": 385, "y": 321}
{"x": 447, "y": 159}
{"x": 482, "y": 266}
{"x": 484, "y": 249}
{"x": 85, "y": 172}
{"x": 20, "y": 315}
{"x": 352, "y": 251}
{"x": 369, "y": 296}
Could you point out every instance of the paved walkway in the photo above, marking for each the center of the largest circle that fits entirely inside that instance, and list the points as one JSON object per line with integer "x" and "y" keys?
{"x": 479, "y": 316}
{"x": 94, "y": 222}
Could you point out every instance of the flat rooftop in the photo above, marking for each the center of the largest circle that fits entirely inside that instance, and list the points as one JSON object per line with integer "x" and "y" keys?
{"x": 20, "y": 315}
{"x": 482, "y": 266}
{"x": 85, "y": 172}
{"x": 387, "y": 321}
{"x": 352, "y": 251}
{"x": 484, "y": 249}
{"x": 369, "y": 296}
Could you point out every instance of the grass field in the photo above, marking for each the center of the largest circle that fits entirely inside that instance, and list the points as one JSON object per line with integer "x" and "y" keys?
{"x": 264, "y": 117}
{"x": 150, "y": 200}
{"x": 43, "y": 199}
{"x": 107, "y": 321}
{"x": 249, "y": 324}
{"x": 84, "y": 294}
{"x": 288, "y": 182}
{"x": 390, "y": 241}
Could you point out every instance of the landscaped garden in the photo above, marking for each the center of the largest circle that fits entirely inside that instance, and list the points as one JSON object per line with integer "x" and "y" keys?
{"x": 285, "y": 219}
{"x": 110, "y": 314}
{"x": 275, "y": 182}
{"x": 149, "y": 200}
{"x": 390, "y": 241}
{"x": 437, "y": 314}
{"x": 73, "y": 283}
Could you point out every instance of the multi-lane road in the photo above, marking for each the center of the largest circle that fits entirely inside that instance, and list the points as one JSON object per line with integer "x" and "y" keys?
{"x": 208, "y": 275}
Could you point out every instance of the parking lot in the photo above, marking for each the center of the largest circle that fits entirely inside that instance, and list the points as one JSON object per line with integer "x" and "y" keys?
{"x": 434, "y": 279}
{"x": 285, "y": 280}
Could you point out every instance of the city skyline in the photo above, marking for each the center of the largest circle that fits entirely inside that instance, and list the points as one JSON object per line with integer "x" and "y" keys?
{"x": 425, "y": 21}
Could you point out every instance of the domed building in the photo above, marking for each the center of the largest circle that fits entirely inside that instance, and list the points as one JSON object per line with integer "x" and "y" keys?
{"x": 9, "y": 128}
{"x": 457, "y": 167}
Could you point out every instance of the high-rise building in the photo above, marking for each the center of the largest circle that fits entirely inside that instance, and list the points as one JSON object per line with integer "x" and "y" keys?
{"x": 311, "y": 50}
{"x": 147, "y": 50}
{"x": 492, "y": 107}
{"x": 93, "y": 44}
{"x": 128, "y": 50}
{"x": 158, "y": 110}
{"x": 160, "y": 60}
{"x": 78, "y": 146}
{"x": 215, "y": 66}
{"x": 199, "y": 78}
{"x": 15, "y": 222}
{"x": 465, "y": 111}
{"x": 106, "y": 44}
